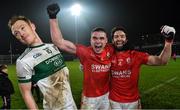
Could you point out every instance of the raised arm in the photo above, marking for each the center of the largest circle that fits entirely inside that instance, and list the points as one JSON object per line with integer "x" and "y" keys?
{"x": 27, "y": 95}
{"x": 165, "y": 55}
{"x": 56, "y": 34}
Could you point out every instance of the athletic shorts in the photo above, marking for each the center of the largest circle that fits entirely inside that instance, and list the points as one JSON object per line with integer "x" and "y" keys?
{"x": 57, "y": 92}
{"x": 92, "y": 103}
{"x": 122, "y": 106}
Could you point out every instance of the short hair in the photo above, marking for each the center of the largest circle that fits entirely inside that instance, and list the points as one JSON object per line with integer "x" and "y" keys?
{"x": 118, "y": 28}
{"x": 16, "y": 18}
{"x": 99, "y": 29}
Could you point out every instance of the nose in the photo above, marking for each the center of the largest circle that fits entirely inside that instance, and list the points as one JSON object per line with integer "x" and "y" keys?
{"x": 98, "y": 40}
{"x": 120, "y": 38}
{"x": 22, "y": 33}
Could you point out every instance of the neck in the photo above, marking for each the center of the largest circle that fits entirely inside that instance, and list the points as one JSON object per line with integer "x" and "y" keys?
{"x": 37, "y": 41}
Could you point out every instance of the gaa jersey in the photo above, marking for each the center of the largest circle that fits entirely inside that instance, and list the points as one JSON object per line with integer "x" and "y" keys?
{"x": 96, "y": 69}
{"x": 125, "y": 68}
{"x": 45, "y": 66}
{"x": 39, "y": 62}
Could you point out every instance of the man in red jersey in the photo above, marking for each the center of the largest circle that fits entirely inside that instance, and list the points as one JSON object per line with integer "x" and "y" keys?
{"x": 95, "y": 60}
{"x": 125, "y": 67}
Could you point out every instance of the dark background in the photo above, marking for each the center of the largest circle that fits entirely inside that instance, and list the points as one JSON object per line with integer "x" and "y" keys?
{"x": 139, "y": 17}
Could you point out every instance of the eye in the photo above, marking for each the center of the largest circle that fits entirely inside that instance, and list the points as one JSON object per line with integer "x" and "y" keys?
{"x": 123, "y": 36}
{"x": 22, "y": 28}
{"x": 102, "y": 38}
{"x": 115, "y": 36}
{"x": 95, "y": 38}
{"x": 15, "y": 34}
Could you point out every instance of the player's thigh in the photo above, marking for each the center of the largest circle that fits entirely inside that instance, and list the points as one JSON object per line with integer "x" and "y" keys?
{"x": 104, "y": 103}
{"x": 130, "y": 105}
{"x": 90, "y": 102}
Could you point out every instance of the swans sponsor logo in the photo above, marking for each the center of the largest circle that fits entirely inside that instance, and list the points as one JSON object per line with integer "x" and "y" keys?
{"x": 121, "y": 74}
{"x": 100, "y": 68}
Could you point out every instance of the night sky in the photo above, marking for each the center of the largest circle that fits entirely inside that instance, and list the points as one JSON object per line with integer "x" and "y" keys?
{"x": 138, "y": 17}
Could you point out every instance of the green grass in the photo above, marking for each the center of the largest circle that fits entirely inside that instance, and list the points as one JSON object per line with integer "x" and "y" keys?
{"x": 163, "y": 97}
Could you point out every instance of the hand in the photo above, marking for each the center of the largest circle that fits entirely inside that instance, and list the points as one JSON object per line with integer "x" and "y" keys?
{"x": 168, "y": 32}
{"x": 52, "y": 10}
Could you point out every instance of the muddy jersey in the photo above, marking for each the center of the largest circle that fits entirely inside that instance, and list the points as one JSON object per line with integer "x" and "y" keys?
{"x": 45, "y": 66}
{"x": 96, "y": 69}
{"x": 39, "y": 62}
{"x": 125, "y": 70}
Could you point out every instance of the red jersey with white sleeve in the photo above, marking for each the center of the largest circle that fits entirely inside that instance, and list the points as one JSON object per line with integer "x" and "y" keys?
{"x": 96, "y": 69}
{"x": 125, "y": 70}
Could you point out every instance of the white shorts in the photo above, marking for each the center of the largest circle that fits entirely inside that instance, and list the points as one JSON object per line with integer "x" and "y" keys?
{"x": 92, "y": 103}
{"x": 122, "y": 106}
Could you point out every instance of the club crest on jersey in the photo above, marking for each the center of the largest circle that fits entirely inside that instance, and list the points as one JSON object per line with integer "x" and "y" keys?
{"x": 58, "y": 62}
{"x": 128, "y": 60}
{"x": 108, "y": 55}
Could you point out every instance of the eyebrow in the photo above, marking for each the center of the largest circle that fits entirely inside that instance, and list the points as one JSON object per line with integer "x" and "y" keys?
{"x": 17, "y": 27}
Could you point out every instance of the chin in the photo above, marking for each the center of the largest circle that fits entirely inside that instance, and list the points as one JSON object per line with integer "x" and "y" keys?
{"x": 119, "y": 46}
{"x": 98, "y": 51}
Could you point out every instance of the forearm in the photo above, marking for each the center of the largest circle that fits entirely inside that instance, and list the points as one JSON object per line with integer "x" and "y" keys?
{"x": 25, "y": 89}
{"x": 168, "y": 33}
{"x": 58, "y": 39}
{"x": 55, "y": 31}
{"x": 30, "y": 102}
{"x": 166, "y": 53}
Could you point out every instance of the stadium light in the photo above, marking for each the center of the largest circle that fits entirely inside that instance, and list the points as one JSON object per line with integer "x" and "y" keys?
{"x": 76, "y": 9}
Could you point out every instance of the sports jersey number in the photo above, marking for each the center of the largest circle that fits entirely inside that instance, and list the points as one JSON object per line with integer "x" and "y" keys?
{"x": 120, "y": 62}
{"x": 48, "y": 50}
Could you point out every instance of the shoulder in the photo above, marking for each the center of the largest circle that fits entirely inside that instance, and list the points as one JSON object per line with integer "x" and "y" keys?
{"x": 81, "y": 47}
{"x": 27, "y": 51}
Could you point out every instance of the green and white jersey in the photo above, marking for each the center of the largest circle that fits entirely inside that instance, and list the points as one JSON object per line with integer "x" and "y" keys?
{"x": 39, "y": 62}
{"x": 45, "y": 66}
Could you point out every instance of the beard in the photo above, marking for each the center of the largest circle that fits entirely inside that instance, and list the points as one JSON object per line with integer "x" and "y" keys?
{"x": 124, "y": 47}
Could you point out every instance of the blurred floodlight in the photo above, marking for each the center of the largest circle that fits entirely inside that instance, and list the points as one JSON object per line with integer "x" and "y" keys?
{"x": 76, "y": 9}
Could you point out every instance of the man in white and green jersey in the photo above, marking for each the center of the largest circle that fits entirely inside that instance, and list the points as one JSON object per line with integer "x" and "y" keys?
{"x": 42, "y": 64}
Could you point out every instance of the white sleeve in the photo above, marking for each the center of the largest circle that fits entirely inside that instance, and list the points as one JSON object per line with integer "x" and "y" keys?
{"x": 24, "y": 72}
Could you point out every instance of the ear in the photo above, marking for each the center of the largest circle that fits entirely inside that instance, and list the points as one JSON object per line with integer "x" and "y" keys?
{"x": 33, "y": 26}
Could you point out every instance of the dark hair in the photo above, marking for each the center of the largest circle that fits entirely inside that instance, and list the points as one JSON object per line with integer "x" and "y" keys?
{"x": 16, "y": 18}
{"x": 128, "y": 45}
{"x": 99, "y": 29}
{"x": 118, "y": 28}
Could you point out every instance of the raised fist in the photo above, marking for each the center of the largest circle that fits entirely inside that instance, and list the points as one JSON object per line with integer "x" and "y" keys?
{"x": 52, "y": 10}
{"x": 168, "y": 32}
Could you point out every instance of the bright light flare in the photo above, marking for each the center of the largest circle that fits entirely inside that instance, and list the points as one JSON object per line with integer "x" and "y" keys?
{"x": 76, "y": 9}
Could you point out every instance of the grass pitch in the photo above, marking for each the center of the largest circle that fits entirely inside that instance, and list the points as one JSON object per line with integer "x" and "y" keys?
{"x": 159, "y": 86}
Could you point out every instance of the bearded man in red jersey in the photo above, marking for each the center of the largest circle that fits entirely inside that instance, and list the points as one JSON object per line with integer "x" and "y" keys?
{"x": 125, "y": 67}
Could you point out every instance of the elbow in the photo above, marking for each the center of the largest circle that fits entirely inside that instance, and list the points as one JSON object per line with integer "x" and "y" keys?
{"x": 54, "y": 41}
{"x": 57, "y": 42}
